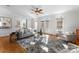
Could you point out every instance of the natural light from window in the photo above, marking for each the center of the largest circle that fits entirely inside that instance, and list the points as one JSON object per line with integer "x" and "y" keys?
{"x": 0, "y": 24}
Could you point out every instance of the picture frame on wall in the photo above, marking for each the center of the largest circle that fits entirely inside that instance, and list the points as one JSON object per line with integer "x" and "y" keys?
{"x": 5, "y": 23}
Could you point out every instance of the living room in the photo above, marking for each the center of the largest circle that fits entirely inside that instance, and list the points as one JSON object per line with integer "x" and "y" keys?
{"x": 53, "y": 22}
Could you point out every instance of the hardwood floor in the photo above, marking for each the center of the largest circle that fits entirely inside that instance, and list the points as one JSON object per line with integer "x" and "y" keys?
{"x": 8, "y": 47}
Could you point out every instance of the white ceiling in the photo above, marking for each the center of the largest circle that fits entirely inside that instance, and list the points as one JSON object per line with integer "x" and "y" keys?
{"x": 48, "y": 9}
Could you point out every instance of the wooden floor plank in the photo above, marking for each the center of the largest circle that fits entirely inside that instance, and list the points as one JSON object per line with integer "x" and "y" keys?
{"x": 8, "y": 47}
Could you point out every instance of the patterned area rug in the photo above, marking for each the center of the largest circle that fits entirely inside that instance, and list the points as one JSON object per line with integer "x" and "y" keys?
{"x": 59, "y": 46}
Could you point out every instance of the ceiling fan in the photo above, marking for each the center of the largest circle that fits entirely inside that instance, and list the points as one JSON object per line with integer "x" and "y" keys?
{"x": 37, "y": 11}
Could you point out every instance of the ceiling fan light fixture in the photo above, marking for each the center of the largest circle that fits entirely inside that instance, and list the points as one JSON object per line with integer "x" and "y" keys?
{"x": 37, "y": 11}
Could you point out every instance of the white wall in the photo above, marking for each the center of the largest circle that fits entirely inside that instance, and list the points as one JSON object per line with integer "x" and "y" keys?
{"x": 51, "y": 24}
{"x": 71, "y": 21}
{"x": 4, "y": 12}
{"x": 8, "y": 13}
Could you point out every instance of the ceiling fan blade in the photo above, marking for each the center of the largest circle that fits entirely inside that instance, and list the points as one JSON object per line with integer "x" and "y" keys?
{"x": 40, "y": 10}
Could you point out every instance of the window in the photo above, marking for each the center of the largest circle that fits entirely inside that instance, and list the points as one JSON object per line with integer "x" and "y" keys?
{"x": 35, "y": 25}
{"x": 59, "y": 24}
{"x": 0, "y": 24}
